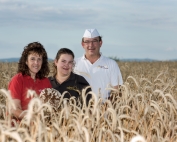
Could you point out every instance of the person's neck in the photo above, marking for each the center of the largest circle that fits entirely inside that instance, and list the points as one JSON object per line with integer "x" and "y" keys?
{"x": 33, "y": 77}
{"x": 93, "y": 58}
{"x": 61, "y": 78}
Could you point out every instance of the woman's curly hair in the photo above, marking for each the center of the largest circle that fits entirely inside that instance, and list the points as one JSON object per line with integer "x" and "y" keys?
{"x": 34, "y": 47}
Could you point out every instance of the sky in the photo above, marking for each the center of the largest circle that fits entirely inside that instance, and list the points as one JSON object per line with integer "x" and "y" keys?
{"x": 129, "y": 28}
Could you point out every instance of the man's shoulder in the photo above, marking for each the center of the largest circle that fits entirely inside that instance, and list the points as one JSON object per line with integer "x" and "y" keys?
{"x": 107, "y": 59}
{"x": 80, "y": 62}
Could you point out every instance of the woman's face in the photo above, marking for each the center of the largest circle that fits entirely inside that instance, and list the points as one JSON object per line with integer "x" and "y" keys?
{"x": 34, "y": 63}
{"x": 64, "y": 65}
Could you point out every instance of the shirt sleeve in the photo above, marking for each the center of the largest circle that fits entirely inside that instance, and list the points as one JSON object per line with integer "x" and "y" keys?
{"x": 15, "y": 87}
{"x": 116, "y": 76}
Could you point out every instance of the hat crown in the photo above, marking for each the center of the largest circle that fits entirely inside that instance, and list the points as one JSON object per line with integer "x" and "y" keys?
{"x": 91, "y": 33}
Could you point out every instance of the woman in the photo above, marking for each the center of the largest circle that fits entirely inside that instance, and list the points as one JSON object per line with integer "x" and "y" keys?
{"x": 32, "y": 74}
{"x": 64, "y": 79}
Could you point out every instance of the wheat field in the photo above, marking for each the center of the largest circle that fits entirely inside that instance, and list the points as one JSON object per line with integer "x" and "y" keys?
{"x": 146, "y": 110}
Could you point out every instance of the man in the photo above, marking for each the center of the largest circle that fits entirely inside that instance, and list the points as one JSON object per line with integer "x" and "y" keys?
{"x": 101, "y": 72}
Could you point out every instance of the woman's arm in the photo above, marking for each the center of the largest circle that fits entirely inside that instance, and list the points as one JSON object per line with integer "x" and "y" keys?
{"x": 18, "y": 112}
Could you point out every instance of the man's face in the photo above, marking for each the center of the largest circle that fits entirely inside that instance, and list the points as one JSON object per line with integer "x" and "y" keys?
{"x": 92, "y": 46}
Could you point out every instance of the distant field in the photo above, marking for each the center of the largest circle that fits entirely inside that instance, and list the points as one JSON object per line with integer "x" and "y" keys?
{"x": 149, "y": 70}
{"x": 147, "y": 107}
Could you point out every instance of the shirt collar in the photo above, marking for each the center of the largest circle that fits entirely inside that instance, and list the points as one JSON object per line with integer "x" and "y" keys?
{"x": 71, "y": 77}
{"x": 29, "y": 78}
{"x": 84, "y": 58}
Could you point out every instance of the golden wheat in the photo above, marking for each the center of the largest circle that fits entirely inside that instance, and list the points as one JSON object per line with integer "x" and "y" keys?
{"x": 146, "y": 110}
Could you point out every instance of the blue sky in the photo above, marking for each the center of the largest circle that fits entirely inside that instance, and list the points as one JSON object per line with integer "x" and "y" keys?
{"x": 130, "y": 28}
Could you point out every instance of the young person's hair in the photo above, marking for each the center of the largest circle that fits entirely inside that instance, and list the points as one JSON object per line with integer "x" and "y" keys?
{"x": 59, "y": 53}
{"x": 64, "y": 51}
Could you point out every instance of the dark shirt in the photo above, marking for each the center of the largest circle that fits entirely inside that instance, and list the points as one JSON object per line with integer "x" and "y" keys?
{"x": 73, "y": 85}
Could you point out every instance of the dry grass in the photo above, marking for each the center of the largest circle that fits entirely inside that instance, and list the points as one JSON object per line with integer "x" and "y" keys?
{"x": 147, "y": 109}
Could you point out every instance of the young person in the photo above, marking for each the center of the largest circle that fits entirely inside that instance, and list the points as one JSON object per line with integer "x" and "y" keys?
{"x": 100, "y": 71}
{"x": 64, "y": 80}
{"x": 32, "y": 74}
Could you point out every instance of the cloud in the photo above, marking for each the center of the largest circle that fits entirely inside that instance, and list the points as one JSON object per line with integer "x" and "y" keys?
{"x": 29, "y": 15}
{"x": 9, "y": 49}
{"x": 79, "y": 14}
{"x": 129, "y": 28}
{"x": 149, "y": 14}
{"x": 170, "y": 49}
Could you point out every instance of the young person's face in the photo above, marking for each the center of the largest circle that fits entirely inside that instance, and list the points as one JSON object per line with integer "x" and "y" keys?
{"x": 92, "y": 46}
{"x": 64, "y": 64}
{"x": 34, "y": 63}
